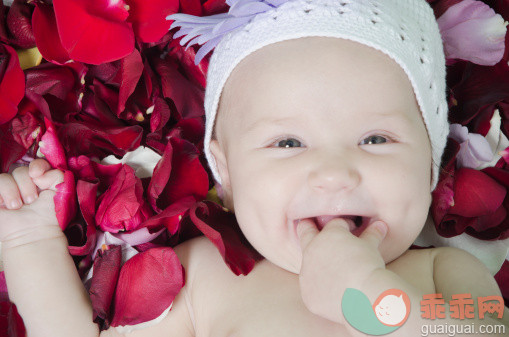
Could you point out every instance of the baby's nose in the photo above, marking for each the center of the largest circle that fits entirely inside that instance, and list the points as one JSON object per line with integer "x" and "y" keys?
{"x": 333, "y": 174}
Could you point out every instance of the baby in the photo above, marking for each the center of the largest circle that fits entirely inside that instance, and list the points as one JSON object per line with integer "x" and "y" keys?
{"x": 331, "y": 121}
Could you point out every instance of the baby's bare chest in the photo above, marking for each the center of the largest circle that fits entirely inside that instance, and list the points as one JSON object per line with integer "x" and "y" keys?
{"x": 267, "y": 302}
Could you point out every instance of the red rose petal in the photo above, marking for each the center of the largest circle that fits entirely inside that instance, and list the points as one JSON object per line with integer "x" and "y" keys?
{"x": 222, "y": 229}
{"x": 502, "y": 278}
{"x": 475, "y": 193}
{"x": 46, "y": 34}
{"x": 94, "y": 32}
{"x": 131, "y": 68}
{"x": 147, "y": 286}
{"x": 104, "y": 282}
{"x": 52, "y": 148}
{"x": 19, "y": 24}
{"x": 178, "y": 174}
{"x": 122, "y": 207}
{"x": 149, "y": 17}
{"x": 170, "y": 216}
{"x": 187, "y": 96}
{"x": 87, "y": 193}
{"x": 11, "y": 323}
{"x": 90, "y": 140}
{"x": 12, "y": 85}
{"x": 65, "y": 200}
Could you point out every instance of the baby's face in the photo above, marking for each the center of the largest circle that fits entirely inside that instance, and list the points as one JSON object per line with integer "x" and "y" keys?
{"x": 321, "y": 128}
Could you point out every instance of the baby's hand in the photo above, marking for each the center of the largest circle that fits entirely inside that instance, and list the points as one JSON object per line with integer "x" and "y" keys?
{"x": 26, "y": 201}
{"x": 334, "y": 259}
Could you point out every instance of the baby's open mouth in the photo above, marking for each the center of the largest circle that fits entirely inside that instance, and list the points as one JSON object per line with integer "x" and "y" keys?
{"x": 356, "y": 223}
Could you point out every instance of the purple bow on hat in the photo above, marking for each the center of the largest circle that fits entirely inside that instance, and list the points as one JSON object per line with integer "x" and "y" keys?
{"x": 209, "y": 30}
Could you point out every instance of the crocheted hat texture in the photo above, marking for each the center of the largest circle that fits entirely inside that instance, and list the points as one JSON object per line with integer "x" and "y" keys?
{"x": 405, "y": 30}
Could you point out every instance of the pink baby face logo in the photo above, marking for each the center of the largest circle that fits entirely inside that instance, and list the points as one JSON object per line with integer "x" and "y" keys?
{"x": 392, "y": 307}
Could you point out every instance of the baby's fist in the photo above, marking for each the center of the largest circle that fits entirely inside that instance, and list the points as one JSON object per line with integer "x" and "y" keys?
{"x": 26, "y": 200}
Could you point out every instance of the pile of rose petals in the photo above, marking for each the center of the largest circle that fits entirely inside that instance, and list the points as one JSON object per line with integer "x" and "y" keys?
{"x": 114, "y": 86}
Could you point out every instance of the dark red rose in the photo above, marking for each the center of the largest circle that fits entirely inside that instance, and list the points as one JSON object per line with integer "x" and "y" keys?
{"x": 471, "y": 201}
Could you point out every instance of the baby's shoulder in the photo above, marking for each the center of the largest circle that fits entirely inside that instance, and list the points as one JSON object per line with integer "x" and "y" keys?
{"x": 199, "y": 256}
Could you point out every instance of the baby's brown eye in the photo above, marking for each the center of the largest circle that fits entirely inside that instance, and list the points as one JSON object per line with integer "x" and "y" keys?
{"x": 374, "y": 140}
{"x": 289, "y": 142}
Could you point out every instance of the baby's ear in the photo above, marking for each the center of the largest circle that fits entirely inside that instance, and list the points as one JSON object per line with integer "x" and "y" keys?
{"x": 222, "y": 168}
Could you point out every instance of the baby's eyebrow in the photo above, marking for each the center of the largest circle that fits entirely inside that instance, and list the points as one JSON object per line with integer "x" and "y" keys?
{"x": 393, "y": 116}
{"x": 270, "y": 122}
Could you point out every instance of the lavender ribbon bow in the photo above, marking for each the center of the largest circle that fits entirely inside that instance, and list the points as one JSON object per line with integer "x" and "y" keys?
{"x": 209, "y": 30}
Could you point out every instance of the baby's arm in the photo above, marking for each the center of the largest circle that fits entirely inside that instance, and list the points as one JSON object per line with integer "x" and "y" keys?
{"x": 328, "y": 253}
{"x": 40, "y": 274}
{"x": 458, "y": 272}
{"x": 41, "y": 277}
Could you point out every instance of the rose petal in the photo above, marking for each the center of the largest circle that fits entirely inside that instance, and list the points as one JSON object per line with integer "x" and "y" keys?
{"x": 11, "y": 323}
{"x": 104, "y": 282}
{"x": 472, "y": 31}
{"x": 19, "y": 24}
{"x": 122, "y": 206}
{"x": 475, "y": 193}
{"x": 147, "y": 286}
{"x": 46, "y": 34}
{"x": 51, "y": 147}
{"x": 90, "y": 140}
{"x": 65, "y": 200}
{"x": 131, "y": 68}
{"x": 178, "y": 174}
{"x": 12, "y": 85}
{"x": 170, "y": 216}
{"x": 222, "y": 230}
{"x": 94, "y": 32}
{"x": 502, "y": 278}
{"x": 143, "y": 160}
{"x": 187, "y": 96}
{"x": 149, "y": 17}
{"x": 86, "y": 199}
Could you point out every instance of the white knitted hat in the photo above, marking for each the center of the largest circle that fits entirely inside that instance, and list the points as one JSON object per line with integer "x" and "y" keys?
{"x": 405, "y": 30}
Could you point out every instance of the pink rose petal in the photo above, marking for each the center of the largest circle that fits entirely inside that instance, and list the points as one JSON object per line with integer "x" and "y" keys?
{"x": 472, "y": 31}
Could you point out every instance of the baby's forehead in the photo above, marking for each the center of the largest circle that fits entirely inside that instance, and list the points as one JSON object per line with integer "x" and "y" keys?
{"x": 317, "y": 70}
{"x": 310, "y": 75}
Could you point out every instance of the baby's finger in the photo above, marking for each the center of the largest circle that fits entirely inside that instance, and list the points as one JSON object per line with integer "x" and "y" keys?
{"x": 49, "y": 180}
{"x": 26, "y": 186}
{"x": 375, "y": 233}
{"x": 306, "y": 230}
{"x": 9, "y": 191}
{"x": 37, "y": 167}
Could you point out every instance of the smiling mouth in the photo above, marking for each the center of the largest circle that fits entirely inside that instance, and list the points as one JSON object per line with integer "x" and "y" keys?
{"x": 356, "y": 223}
